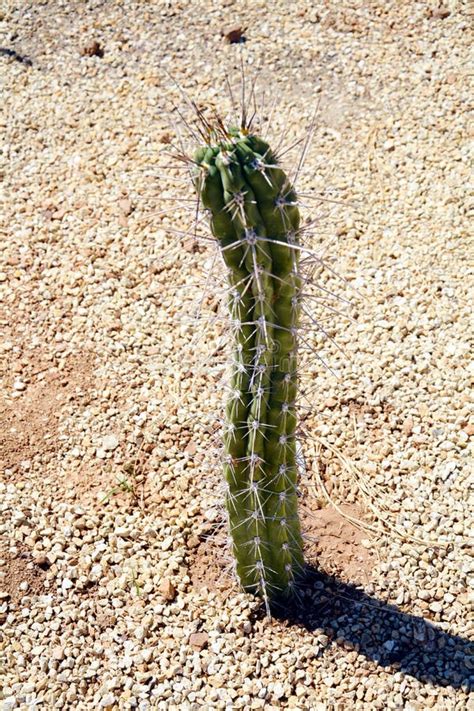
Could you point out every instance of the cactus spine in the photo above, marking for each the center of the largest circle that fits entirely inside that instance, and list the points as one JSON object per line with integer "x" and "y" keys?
{"x": 255, "y": 219}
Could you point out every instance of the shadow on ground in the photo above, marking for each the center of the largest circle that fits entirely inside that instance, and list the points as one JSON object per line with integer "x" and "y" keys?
{"x": 380, "y": 632}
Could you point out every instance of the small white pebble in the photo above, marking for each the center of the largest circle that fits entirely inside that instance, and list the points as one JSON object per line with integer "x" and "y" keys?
{"x": 107, "y": 701}
{"x": 109, "y": 443}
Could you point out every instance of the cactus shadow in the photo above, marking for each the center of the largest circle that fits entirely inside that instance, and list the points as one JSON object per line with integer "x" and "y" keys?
{"x": 379, "y": 631}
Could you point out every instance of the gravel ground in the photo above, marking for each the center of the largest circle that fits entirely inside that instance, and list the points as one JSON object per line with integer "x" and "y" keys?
{"x": 116, "y": 592}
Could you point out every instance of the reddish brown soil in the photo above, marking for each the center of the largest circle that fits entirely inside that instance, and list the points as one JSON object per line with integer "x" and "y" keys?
{"x": 29, "y": 423}
{"x": 334, "y": 546}
{"x": 21, "y": 568}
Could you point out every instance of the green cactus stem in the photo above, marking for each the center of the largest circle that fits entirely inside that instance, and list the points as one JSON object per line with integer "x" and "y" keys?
{"x": 255, "y": 219}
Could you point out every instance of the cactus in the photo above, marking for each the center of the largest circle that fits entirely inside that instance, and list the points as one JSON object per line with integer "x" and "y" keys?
{"x": 255, "y": 219}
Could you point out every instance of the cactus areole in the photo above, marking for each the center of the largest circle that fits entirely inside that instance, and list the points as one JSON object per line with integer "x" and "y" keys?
{"x": 255, "y": 219}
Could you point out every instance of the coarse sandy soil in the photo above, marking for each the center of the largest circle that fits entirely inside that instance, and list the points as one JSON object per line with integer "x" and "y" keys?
{"x": 116, "y": 586}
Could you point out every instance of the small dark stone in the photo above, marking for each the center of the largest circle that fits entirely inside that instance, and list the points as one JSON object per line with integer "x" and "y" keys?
{"x": 199, "y": 640}
{"x": 6, "y": 52}
{"x": 439, "y": 13}
{"x": 235, "y": 35}
{"x": 93, "y": 49}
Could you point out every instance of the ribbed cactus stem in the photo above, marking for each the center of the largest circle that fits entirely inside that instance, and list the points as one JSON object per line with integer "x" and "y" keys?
{"x": 255, "y": 218}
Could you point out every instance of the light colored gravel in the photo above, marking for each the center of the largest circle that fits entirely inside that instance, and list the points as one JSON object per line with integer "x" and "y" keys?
{"x": 115, "y": 590}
